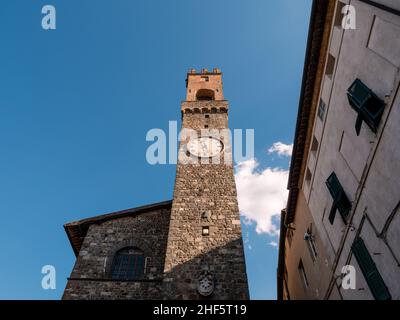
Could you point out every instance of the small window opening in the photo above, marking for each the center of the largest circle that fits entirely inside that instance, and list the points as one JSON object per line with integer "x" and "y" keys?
{"x": 314, "y": 144}
{"x": 330, "y": 65}
{"x": 321, "y": 110}
{"x": 308, "y": 175}
{"x": 339, "y": 15}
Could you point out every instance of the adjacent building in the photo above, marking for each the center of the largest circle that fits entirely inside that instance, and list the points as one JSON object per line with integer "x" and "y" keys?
{"x": 343, "y": 211}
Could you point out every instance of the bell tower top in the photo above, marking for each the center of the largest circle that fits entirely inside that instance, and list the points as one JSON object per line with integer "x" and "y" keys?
{"x": 204, "y": 85}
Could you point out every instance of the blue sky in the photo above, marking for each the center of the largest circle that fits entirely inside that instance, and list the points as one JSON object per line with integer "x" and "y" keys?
{"x": 76, "y": 104}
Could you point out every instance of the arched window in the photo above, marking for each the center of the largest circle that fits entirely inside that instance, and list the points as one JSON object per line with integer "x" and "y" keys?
{"x": 205, "y": 94}
{"x": 128, "y": 264}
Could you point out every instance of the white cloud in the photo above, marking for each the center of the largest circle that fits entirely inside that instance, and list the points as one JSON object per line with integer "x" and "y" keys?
{"x": 273, "y": 243}
{"x": 262, "y": 194}
{"x": 281, "y": 149}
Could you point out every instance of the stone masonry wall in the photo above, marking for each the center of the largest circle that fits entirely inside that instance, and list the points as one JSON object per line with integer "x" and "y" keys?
{"x": 203, "y": 188}
{"x": 90, "y": 276}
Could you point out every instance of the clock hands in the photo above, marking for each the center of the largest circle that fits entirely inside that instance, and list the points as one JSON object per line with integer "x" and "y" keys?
{"x": 204, "y": 147}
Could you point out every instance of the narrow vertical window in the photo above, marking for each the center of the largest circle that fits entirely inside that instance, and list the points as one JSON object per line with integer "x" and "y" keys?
{"x": 308, "y": 176}
{"x": 321, "y": 110}
{"x": 314, "y": 145}
{"x": 339, "y": 14}
{"x": 330, "y": 65}
{"x": 303, "y": 275}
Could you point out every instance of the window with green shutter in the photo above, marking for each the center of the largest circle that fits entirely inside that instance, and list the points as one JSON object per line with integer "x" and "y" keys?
{"x": 369, "y": 270}
{"x": 367, "y": 104}
{"x": 340, "y": 200}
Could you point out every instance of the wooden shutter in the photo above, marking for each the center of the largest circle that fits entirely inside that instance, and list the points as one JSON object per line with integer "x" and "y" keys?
{"x": 367, "y": 104}
{"x": 340, "y": 200}
{"x": 369, "y": 270}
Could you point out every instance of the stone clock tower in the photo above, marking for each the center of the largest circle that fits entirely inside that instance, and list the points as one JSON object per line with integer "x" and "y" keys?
{"x": 204, "y": 255}
{"x": 187, "y": 248}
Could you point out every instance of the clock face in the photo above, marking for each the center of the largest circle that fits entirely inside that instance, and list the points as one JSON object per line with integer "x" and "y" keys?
{"x": 205, "y": 147}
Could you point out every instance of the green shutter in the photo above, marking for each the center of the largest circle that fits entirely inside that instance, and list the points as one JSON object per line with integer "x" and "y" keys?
{"x": 340, "y": 200}
{"x": 369, "y": 270}
{"x": 333, "y": 185}
{"x": 358, "y": 94}
{"x": 367, "y": 104}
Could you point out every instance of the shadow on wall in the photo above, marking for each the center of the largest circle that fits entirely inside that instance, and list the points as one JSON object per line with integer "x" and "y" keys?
{"x": 224, "y": 267}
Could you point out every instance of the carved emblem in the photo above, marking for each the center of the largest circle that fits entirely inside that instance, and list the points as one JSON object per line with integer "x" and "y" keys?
{"x": 205, "y": 284}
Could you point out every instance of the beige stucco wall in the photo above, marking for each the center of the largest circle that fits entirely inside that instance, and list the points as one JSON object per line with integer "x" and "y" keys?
{"x": 368, "y": 165}
{"x": 298, "y": 249}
